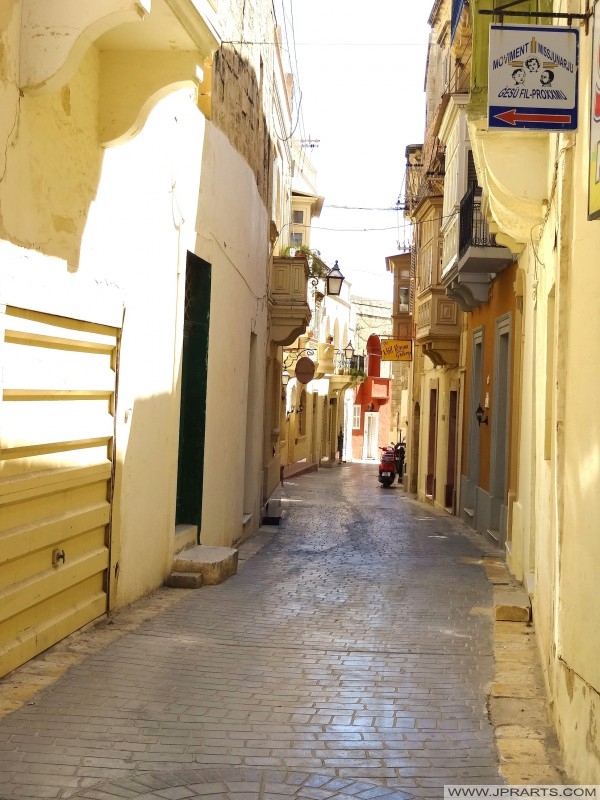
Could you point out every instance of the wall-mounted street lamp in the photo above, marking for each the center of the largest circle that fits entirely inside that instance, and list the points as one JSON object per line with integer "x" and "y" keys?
{"x": 334, "y": 280}
{"x": 343, "y": 359}
{"x": 479, "y": 416}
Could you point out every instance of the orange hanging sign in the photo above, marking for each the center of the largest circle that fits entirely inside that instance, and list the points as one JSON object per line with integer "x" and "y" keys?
{"x": 396, "y": 350}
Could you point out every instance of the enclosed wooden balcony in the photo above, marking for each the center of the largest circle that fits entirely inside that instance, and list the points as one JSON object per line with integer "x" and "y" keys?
{"x": 289, "y": 309}
{"x": 438, "y": 326}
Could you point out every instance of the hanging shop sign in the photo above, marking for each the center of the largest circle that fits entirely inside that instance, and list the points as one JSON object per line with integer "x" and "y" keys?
{"x": 396, "y": 350}
{"x": 594, "y": 161}
{"x": 305, "y": 370}
{"x": 532, "y": 77}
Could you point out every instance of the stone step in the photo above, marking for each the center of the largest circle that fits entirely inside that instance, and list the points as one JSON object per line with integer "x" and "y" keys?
{"x": 184, "y": 580}
{"x": 186, "y": 536}
{"x": 512, "y": 605}
{"x": 272, "y": 512}
{"x": 214, "y": 564}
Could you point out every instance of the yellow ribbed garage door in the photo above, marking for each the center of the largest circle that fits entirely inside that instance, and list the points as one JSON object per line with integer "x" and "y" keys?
{"x": 56, "y": 444}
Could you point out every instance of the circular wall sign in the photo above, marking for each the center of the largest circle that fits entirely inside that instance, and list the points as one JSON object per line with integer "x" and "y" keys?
{"x": 305, "y": 370}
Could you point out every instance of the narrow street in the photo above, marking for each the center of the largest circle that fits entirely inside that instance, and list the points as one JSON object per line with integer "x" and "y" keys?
{"x": 351, "y": 655}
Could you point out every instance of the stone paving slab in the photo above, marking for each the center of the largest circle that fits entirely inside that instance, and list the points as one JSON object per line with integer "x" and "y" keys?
{"x": 238, "y": 784}
{"x": 353, "y": 644}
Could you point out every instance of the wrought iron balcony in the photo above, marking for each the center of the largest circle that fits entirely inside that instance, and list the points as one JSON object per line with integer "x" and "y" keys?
{"x": 467, "y": 279}
{"x": 478, "y": 250}
{"x": 332, "y": 362}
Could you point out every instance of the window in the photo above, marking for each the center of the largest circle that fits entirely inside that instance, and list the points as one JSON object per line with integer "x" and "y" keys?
{"x": 404, "y": 296}
{"x": 298, "y": 217}
{"x": 356, "y": 418}
{"x": 296, "y": 238}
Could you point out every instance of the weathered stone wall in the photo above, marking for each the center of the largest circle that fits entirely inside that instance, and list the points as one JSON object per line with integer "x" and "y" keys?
{"x": 242, "y": 97}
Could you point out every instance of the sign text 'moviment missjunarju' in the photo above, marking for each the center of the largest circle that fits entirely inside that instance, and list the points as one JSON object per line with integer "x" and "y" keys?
{"x": 532, "y": 77}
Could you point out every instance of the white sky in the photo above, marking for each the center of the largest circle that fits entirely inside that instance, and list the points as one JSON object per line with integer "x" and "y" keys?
{"x": 361, "y": 76}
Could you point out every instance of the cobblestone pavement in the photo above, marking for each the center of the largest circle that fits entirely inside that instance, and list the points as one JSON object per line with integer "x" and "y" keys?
{"x": 350, "y": 656}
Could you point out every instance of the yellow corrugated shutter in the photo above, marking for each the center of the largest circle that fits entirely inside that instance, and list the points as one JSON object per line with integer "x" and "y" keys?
{"x": 56, "y": 444}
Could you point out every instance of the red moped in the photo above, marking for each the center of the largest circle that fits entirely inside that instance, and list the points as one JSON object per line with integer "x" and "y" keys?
{"x": 387, "y": 466}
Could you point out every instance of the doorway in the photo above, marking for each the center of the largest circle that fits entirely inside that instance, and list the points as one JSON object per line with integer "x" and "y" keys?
{"x": 500, "y": 427}
{"x": 450, "y": 488}
{"x": 249, "y": 457}
{"x": 471, "y": 479}
{"x": 194, "y": 377}
{"x": 432, "y": 444}
{"x": 370, "y": 449}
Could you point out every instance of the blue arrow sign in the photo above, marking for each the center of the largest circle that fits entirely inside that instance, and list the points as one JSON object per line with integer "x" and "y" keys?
{"x": 533, "y": 77}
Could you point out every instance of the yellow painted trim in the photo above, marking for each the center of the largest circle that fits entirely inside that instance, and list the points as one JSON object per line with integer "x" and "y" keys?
{"x": 43, "y": 448}
{"x": 19, "y": 488}
{"x": 35, "y": 640}
{"x": 16, "y": 600}
{"x": 25, "y": 539}
{"x": 25, "y": 395}
{"x": 32, "y": 319}
{"x": 58, "y": 342}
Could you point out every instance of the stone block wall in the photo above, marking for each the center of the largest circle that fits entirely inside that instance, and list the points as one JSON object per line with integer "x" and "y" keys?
{"x": 243, "y": 86}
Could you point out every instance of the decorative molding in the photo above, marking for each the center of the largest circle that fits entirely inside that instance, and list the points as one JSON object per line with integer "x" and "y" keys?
{"x": 139, "y": 64}
{"x": 56, "y": 35}
{"x": 132, "y": 83}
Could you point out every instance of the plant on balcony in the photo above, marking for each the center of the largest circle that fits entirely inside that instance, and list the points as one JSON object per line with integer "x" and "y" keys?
{"x": 317, "y": 268}
{"x": 358, "y": 376}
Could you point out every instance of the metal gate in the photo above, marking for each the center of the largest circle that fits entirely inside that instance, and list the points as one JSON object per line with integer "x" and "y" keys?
{"x": 57, "y": 401}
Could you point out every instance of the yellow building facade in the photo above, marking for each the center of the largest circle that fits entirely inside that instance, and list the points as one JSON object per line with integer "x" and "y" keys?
{"x": 138, "y": 215}
{"x": 537, "y": 185}
{"x": 513, "y": 226}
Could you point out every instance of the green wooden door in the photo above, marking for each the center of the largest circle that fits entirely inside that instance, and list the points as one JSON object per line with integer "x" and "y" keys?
{"x": 194, "y": 373}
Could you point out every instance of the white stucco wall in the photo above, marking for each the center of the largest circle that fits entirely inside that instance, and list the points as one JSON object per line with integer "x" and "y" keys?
{"x": 139, "y": 227}
{"x": 576, "y": 668}
{"x": 232, "y": 225}
{"x": 555, "y": 547}
{"x": 119, "y": 222}
{"x": 106, "y": 223}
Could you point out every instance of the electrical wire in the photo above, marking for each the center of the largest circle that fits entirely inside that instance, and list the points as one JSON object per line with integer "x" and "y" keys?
{"x": 360, "y": 44}
{"x": 406, "y": 225}
{"x": 358, "y": 208}
{"x": 291, "y": 45}
{"x": 290, "y": 49}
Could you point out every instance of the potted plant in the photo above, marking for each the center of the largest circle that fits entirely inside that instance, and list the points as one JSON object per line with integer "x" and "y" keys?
{"x": 317, "y": 268}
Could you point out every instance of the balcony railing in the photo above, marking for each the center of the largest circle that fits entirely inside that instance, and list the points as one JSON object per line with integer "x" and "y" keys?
{"x": 480, "y": 257}
{"x": 474, "y": 229}
{"x": 348, "y": 366}
{"x": 333, "y": 362}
